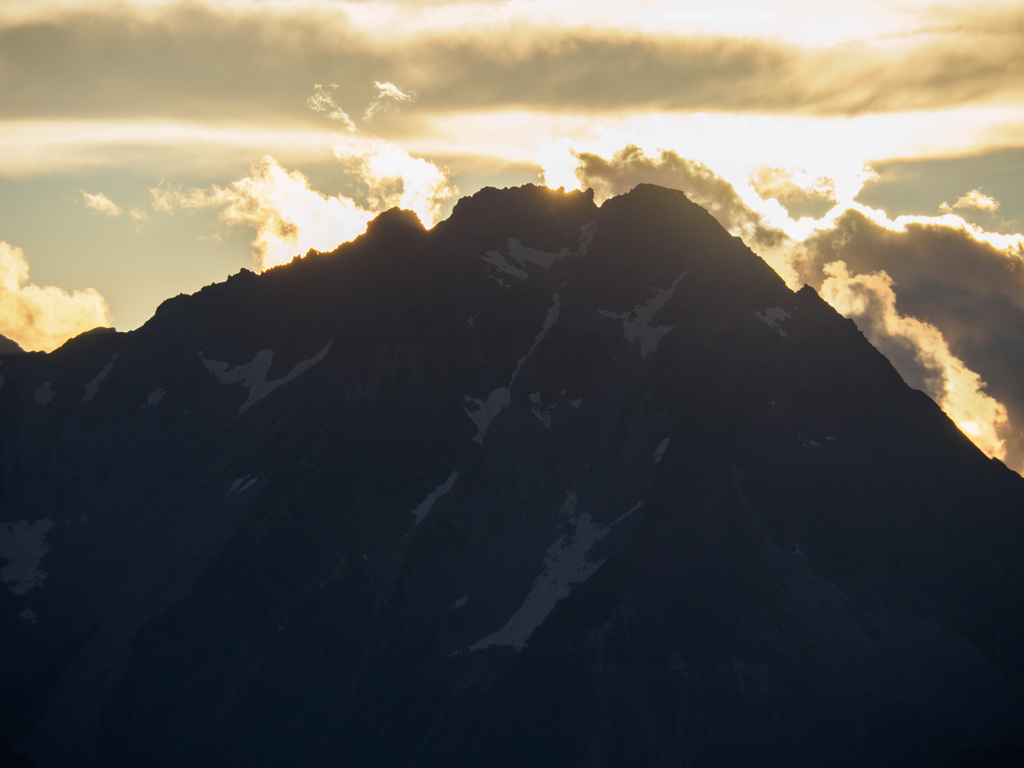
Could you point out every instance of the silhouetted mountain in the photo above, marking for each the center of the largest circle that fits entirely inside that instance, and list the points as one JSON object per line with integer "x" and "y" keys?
{"x": 9, "y": 346}
{"x": 549, "y": 484}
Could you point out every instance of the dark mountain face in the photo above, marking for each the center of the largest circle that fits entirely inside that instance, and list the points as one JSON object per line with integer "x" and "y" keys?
{"x": 550, "y": 484}
{"x": 9, "y": 347}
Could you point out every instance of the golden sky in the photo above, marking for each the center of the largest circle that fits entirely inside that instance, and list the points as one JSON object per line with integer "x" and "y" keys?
{"x": 874, "y": 150}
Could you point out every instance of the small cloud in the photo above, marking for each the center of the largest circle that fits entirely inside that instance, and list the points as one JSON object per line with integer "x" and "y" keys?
{"x": 321, "y": 101}
{"x": 43, "y": 318}
{"x": 138, "y": 214}
{"x": 974, "y": 199}
{"x": 101, "y": 204}
{"x": 798, "y": 192}
{"x": 388, "y": 95}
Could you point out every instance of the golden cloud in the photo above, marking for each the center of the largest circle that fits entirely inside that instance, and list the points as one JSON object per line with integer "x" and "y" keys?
{"x": 43, "y": 318}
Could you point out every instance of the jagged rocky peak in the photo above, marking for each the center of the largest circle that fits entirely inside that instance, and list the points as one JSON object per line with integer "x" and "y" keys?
{"x": 548, "y": 483}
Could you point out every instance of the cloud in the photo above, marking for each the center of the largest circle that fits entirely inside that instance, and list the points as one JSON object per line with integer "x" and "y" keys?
{"x": 631, "y": 166}
{"x": 43, "y": 318}
{"x": 388, "y": 96}
{"x": 390, "y": 176}
{"x": 799, "y": 192}
{"x": 290, "y": 217}
{"x": 198, "y": 61}
{"x": 913, "y": 345}
{"x": 974, "y": 199}
{"x": 321, "y": 101}
{"x": 101, "y": 204}
{"x": 942, "y": 298}
{"x": 964, "y": 284}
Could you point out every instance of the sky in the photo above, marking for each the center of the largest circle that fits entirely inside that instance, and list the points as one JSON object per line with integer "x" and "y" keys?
{"x": 873, "y": 150}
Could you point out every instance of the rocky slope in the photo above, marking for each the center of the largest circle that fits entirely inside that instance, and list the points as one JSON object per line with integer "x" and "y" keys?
{"x": 549, "y": 483}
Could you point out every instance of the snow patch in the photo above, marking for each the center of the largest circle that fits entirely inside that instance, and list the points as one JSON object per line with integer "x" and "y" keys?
{"x": 486, "y": 411}
{"x": 544, "y": 417}
{"x": 659, "y": 452}
{"x": 29, "y": 615}
{"x": 483, "y": 412}
{"x": 253, "y": 375}
{"x": 587, "y": 232}
{"x": 500, "y": 263}
{"x": 565, "y": 565}
{"x": 23, "y": 545}
{"x": 43, "y": 394}
{"x": 154, "y": 397}
{"x": 240, "y": 484}
{"x": 772, "y": 316}
{"x": 460, "y": 602}
{"x": 636, "y": 323}
{"x": 93, "y": 387}
{"x": 424, "y": 507}
{"x": 521, "y": 255}
{"x": 526, "y": 255}
{"x": 576, "y": 403}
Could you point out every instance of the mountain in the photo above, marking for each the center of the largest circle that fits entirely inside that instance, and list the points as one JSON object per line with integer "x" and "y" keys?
{"x": 9, "y": 346}
{"x": 549, "y": 484}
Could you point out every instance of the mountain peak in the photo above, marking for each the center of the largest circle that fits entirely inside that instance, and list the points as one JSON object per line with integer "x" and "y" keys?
{"x": 549, "y": 483}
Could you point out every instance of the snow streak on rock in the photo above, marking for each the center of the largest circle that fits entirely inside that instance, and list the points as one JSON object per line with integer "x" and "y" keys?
{"x": 521, "y": 255}
{"x": 526, "y": 255}
{"x": 587, "y": 232}
{"x": 772, "y": 317}
{"x": 241, "y": 483}
{"x": 154, "y": 397}
{"x": 253, "y": 375}
{"x": 424, "y": 506}
{"x": 659, "y": 452}
{"x": 23, "y": 545}
{"x": 637, "y": 323}
{"x": 549, "y": 322}
{"x": 565, "y": 565}
{"x": 500, "y": 263}
{"x": 93, "y": 387}
{"x": 483, "y": 412}
{"x": 544, "y": 417}
{"x": 486, "y": 411}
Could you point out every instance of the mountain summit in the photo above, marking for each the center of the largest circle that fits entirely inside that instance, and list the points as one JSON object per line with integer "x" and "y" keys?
{"x": 551, "y": 483}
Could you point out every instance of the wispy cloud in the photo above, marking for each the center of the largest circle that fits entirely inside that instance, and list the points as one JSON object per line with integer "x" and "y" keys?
{"x": 43, "y": 318}
{"x": 322, "y": 101}
{"x": 101, "y": 204}
{"x": 388, "y": 96}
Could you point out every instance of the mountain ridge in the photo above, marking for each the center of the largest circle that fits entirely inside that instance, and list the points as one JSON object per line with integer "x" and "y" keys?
{"x": 549, "y": 481}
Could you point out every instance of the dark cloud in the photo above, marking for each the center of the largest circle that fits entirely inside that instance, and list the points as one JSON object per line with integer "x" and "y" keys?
{"x": 630, "y": 166}
{"x": 193, "y": 61}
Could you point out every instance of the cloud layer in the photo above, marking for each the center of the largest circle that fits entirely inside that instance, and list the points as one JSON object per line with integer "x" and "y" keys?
{"x": 248, "y": 60}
